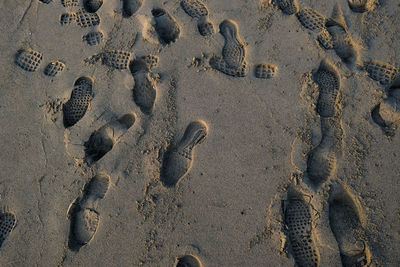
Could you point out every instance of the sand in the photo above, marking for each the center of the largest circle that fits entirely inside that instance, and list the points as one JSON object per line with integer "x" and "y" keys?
{"x": 245, "y": 164}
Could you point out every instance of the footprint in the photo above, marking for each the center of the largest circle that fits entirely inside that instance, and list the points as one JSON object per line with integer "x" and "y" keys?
{"x": 360, "y": 6}
{"x": 92, "y": 6}
{"x": 130, "y": 7}
{"x": 298, "y": 220}
{"x": 315, "y": 21}
{"x": 265, "y": 71}
{"x": 85, "y": 19}
{"x": 197, "y": 9}
{"x": 333, "y": 134}
{"x": 117, "y": 59}
{"x": 46, "y": 1}
{"x": 233, "y": 61}
{"x": 144, "y": 91}
{"x": 28, "y": 59}
{"x": 321, "y": 163}
{"x": 84, "y": 218}
{"x": 288, "y": 7}
{"x": 70, "y": 3}
{"x": 347, "y": 227}
{"x": 93, "y": 38}
{"x": 103, "y": 140}
{"x": 343, "y": 45}
{"x": 188, "y": 261}
{"x": 54, "y": 68}
{"x": 7, "y": 224}
{"x": 75, "y": 108}
{"x": 178, "y": 159}
{"x": 68, "y": 18}
{"x": 381, "y": 72}
{"x": 387, "y": 115}
{"x": 166, "y": 26}
{"x": 328, "y": 79}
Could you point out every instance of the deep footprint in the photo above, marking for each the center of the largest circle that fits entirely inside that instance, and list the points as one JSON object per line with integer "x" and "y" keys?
{"x": 75, "y": 108}
{"x": 197, "y": 9}
{"x": 144, "y": 91}
{"x": 103, "y": 140}
{"x": 166, "y": 26}
{"x": 7, "y": 224}
{"x": 298, "y": 220}
{"x": 178, "y": 160}
{"x": 84, "y": 218}
{"x": 360, "y": 6}
{"x": 343, "y": 44}
{"x": 387, "y": 115}
{"x": 188, "y": 261}
{"x": 28, "y": 59}
{"x": 347, "y": 227}
{"x": 92, "y": 6}
{"x": 233, "y": 61}
{"x": 288, "y": 7}
{"x": 328, "y": 79}
{"x": 130, "y": 7}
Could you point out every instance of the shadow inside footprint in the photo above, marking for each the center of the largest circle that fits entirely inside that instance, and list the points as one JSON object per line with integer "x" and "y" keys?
{"x": 103, "y": 140}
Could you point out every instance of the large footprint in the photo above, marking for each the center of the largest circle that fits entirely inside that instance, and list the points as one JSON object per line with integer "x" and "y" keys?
{"x": 75, "y": 108}
{"x": 197, "y": 9}
{"x": 347, "y": 226}
{"x": 178, "y": 159}
{"x": 233, "y": 60}
{"x": 84, "y": 218}
{"x": 103, "y": 140}
{"x": 298, "y": 220}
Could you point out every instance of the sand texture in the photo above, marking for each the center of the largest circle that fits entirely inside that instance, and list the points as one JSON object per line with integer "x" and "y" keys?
{"x": 200, "y": 133}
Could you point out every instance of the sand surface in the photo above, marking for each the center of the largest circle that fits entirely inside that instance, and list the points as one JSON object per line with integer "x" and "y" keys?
{"x": 252, "y": 143}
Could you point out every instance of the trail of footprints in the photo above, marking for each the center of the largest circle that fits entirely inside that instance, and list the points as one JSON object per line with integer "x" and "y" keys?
{"x": 345, "y": 216}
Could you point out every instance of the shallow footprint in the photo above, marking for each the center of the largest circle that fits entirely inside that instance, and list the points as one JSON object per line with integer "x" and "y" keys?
{"x": 298, "y": 220}
{"x": 347, "y": 227}
{"x": 103, "y": 140}
{"x": 144, "y": 91}
{"x": 197, "y": 9}
{"x": 380, "y": 71}
{"x": 178, "y": 159}
{"x": 233, "y": 61}
{"x": 75, "y": 108}
{"x": 166, "y": 26}
{"x": 28, "y": 59}
{"x": 84, "y": 218}
{"x": 328, "y": 79}
{"x": 7, "y": 224}
{"x": 188, "y": 261}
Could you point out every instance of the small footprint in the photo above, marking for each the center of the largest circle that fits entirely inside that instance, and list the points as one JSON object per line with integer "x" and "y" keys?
{"x": 130, "y": 7}
{"x": 233, "y": 61}
{"x": 166, "y": 26}
{"x": 144, "y": 91}
{"x": 103, "y": 140}
{"x": 188, "y": 261}
{"x": 85, "y": 19}
{"x": 298, "y": 220}
{"x": 343, "y": 45}
{"x": 54, "y": 68}
{"x": 28, "y": 59}
{"x": 93, "y": 38}
{"x": 360, "y": 6}
{"x": 92, "y": 6}
{"x": 67, "y": 18}
{"x": 387, "y": 115}
{"x": 288, "y": 7}
{"x": 178, "y": 160}
{"x": 265, "y": 71}
{"x": 75, "y": 108}
{"x": 382, "y": 72}
{"x": 315, "y": 21}
{"x": 82, "y": 214}
{"x": 197, "y": 9}
{"x": 328, "y": 79}
{"x": 347, "y": 227}
{"x": 70, "y": 3}
{"x": 7, "y": 224}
